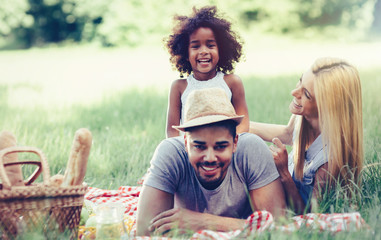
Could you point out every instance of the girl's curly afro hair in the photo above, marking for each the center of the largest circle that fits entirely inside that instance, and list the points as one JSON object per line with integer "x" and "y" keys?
{"x": 229, "y": 44}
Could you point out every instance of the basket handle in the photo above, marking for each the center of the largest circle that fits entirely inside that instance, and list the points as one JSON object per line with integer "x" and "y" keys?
{"x": 44, "y": 165}
{"x": 34, "y": 175}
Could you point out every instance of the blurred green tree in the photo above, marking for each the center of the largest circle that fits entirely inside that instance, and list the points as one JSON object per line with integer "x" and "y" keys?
{"x": 53, "y": 22}
{"x": 13, "y": 18}
{"x": 37, "y": 22}
{"x": 26, "y": 23}
{"x": 268, "y": 16}
{"x": 330, "y": 12}
{"x": 376, "y": 24}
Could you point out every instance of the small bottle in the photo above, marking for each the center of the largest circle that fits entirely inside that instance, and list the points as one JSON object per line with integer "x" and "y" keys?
{"x": 110, "y": 224}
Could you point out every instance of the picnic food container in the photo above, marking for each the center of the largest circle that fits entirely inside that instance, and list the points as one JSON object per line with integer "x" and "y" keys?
{"x": 110, "y": 224}
{"x": 23, "y": 209}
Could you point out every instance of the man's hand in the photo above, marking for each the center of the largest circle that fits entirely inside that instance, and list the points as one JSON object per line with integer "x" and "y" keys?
{"x": 179, "y": 219}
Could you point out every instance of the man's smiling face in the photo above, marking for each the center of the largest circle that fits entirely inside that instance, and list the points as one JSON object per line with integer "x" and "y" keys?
{"x": 210, "y": 151}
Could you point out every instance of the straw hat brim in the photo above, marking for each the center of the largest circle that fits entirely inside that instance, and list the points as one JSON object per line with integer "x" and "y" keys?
{"x": 200, "y": 121}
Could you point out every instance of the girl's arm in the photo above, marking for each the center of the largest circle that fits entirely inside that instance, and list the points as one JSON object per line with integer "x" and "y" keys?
{"x": 268, "y": 131}
{"x": 174, "y": 108}
{"x": 238, "y": 100}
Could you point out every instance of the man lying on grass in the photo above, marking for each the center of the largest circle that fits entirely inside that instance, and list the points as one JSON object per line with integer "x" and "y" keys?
{"x": 210, "y": 178}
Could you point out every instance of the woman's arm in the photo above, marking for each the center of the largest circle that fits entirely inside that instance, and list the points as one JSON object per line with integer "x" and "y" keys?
{"x": 293, "y": 198}
{"x": 268, "y": 131}
{"x": 174, "y": 108}
{"x": 239, "y": 101}
{"x": 320, "y": 184}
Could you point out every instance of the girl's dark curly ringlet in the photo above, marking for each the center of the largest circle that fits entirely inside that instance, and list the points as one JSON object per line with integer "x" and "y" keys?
{"x": 229, "y": 43}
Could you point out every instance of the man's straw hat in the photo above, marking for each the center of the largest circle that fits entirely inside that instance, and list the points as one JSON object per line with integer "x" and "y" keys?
{"x": 207, "y": 106}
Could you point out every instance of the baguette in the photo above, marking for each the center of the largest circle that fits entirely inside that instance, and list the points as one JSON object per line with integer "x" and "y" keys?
{"x": 56, "y": 180}
{"x": 77, "y": 164}
{"x": 14, "y": 173}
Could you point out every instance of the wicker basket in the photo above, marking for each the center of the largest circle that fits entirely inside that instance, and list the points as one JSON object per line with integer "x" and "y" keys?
{"x": 37, "y": 205}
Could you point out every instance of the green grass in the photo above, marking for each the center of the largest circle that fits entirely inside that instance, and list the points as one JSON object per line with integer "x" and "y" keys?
{"x": 128, "y": 124}
{"x": 126, "y": 128}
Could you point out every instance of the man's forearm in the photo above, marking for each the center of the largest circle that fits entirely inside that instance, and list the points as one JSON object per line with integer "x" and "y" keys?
{"x": 184, "y": 220}
{"x": 222, "y": 224}
{"x": 149, "y": 208}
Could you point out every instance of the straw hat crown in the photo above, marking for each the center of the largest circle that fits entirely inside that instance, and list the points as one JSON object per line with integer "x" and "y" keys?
{"x": 207, "y": 106}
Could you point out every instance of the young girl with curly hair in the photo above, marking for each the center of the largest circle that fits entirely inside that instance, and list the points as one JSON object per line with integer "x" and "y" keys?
{"x": 204, "y": 46}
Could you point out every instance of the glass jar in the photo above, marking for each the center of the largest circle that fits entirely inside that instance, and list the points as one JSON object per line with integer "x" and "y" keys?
{"x": 110, "y": 224}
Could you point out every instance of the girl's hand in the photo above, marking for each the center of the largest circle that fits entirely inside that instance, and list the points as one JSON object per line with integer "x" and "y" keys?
{"x": 280, "y": 155}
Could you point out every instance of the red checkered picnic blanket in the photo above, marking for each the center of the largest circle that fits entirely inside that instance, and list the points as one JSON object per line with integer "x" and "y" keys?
{"x": 258, "y": 222}
{"x": 128, "y": 196}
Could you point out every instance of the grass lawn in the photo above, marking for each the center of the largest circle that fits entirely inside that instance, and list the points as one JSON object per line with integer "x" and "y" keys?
{"x": 121, "y": 96}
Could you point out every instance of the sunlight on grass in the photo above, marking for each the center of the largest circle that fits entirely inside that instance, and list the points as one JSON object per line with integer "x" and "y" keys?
{"x": 61, "y": 77}
{"x": 272, "y": 55}
{"x": 120, "y": 95}
{"x": 58, "y": 77}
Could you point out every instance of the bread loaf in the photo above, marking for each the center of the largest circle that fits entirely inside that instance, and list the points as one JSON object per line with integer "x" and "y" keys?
{"x": 56, "y": 180}
{"x": 77, "y": 164}
{"x": 14, "y": 173}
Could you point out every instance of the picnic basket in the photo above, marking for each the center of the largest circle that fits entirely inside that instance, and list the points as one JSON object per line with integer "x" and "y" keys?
{"x": 24, "y": 209}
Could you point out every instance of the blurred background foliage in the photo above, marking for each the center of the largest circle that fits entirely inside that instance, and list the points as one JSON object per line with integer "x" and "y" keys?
{"x": 29, "y": 23}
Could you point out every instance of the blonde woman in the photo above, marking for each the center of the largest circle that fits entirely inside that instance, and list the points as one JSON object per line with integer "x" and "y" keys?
{"x": 325, "y": 130}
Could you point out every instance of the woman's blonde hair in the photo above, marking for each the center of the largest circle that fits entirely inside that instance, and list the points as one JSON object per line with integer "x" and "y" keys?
{"x": 339, "y": 102}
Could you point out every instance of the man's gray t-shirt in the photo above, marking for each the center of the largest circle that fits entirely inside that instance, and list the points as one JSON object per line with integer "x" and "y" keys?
{"x": 252, "y": 167}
